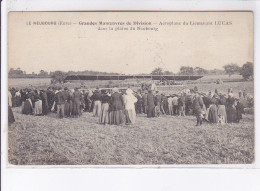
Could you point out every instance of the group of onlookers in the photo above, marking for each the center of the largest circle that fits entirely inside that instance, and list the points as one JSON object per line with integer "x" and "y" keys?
{"x": 121, "y": 106}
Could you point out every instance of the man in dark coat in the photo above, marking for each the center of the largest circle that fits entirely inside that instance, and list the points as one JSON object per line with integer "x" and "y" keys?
{"x": 197, "y": 108}
{"x": 76, "y": 99}
{"x": 144, "y": 101}
{"x": 117, "y": 116}
{"x": 150, "y": 104}
{"x": 138, "y": 103}
{"x": 60, "y": 100}
{"x": 67, "y": 106}
{"x": 50, "y": 97}
{"x": 45, "y": 106}
{"x": 96, "y": 99}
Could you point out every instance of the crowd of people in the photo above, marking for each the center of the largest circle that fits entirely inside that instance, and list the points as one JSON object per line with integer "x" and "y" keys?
{"x": 122, "y": 106}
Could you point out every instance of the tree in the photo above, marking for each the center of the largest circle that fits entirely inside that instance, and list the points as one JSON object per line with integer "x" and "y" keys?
{"x": 15, "y": 73}
{"x": 58, "y": 76}
{"x": 157, "y": 71}
{"x": 231, "y": 69}
{"x": 186, "y": 70}
{"x": 200, "y": 71}
{"x": 168, "y": 73}
{"x": 247, "y": 70}
{"x": 43, "y": 73}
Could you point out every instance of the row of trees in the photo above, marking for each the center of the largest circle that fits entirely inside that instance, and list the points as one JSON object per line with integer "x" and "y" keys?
{"x": 18, "y": 73}
{"x": 247, "y": 70}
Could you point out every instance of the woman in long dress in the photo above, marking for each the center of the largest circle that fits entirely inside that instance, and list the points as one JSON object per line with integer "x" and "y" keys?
{"x": 213, "y": 111}
{"x": 45, "y": 106}
{"x": 28, "y": 106}
{"x": 37, "y": 105}
{"x": 231, "y": 109}
{"x": 10, "y": 112}
{"x": 104, "y": 116}
{"x": 117, "y": 116}
{"x": 129, "y": 102}
{"x": 222, "y": 114}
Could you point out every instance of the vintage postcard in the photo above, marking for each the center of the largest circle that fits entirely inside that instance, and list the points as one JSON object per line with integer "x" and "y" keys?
{"x": 131, "y": 88}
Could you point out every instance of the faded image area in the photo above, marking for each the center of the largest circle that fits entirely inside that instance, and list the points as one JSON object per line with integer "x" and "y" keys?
{"x": 130, "y": 88}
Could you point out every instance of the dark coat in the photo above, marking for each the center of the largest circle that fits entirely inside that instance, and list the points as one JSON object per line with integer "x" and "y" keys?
{"x": 97, "y": 96}
{"x": 77, "y": 96}
{"x": 60, "y": 98}
{"x": 150, "y": 105}
{"x": 117, "y": 102}
{"x": 144, "y": 99}
{"x": 197, "y": 105}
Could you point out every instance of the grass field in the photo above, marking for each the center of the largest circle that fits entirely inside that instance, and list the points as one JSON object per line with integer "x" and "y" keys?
{"x": 165, "y": 140}
{"x": 42, "y": 140}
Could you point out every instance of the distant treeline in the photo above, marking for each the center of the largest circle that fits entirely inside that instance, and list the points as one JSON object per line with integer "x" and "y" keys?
{"x": 18, "y": 73}
{"x": 247, "y": 71}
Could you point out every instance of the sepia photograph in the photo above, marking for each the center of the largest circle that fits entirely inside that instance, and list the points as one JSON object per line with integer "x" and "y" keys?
{"x": 131, "y": 88}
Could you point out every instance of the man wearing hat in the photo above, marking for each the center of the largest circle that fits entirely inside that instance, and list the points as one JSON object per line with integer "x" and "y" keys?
{"x": 76, "y": 99}
{"x": 97, "y": 97}
{"x": 197, "y": 107}
{"x": 60, "y": 100}
{"x": 144, "y": 101}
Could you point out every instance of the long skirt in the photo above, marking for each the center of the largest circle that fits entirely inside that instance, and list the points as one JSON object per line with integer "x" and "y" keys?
{"x": 104, "y": 116}
{"x": 116, "y": 117}
{"x": 213, "y": 114}
{"x": 10, "y": 115}
{"x": 130, "y": 115}
{"x": 38, "y": 107}
{"x": 27, "y": 109}
{"x": 97, "y": 108}
{"x": 45, "y": 107}
{"x": 231, "y": 114}
{"x": 222, "y": 114}
{"x": 150, "y": 111}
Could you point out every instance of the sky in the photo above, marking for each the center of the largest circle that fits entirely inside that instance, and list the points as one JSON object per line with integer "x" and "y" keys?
{"x": 78, "y": 47}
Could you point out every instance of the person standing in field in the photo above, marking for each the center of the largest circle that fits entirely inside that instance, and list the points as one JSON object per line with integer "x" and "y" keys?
{"x": 197, "y": 107}
{"x": 67, "y": 105}
{"x": 37, "y": 104}
{"x": 175, "y": 104}
{"x": 231, "y": 109}
{"x": 10, "y": 112}
{"x": 60, "y": 101}
{"x": 117, "y": 116}
{"x": 129, "y": 102}
{"x": 181, "y": 105}
{"x": 150, "y": 104}
{"x": 222, "y": 115}
{"x": 165, "y": 104}
{"x": 144, "y": 102}
{"x": 138, "y": 103}
{"x": 96, "y": 97}
{"x": 213, "y": 111}
{"x": 45, "y": 106}
{"x": 170, "y": 98}
{"x": 28, "y": 106}
{"x": 239, "y": 110}
{"x": 104, "y": 116}
{"x": 244, "y": 93}
{"x": 50, "y": 97}
{"x": 76, "y": 99}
